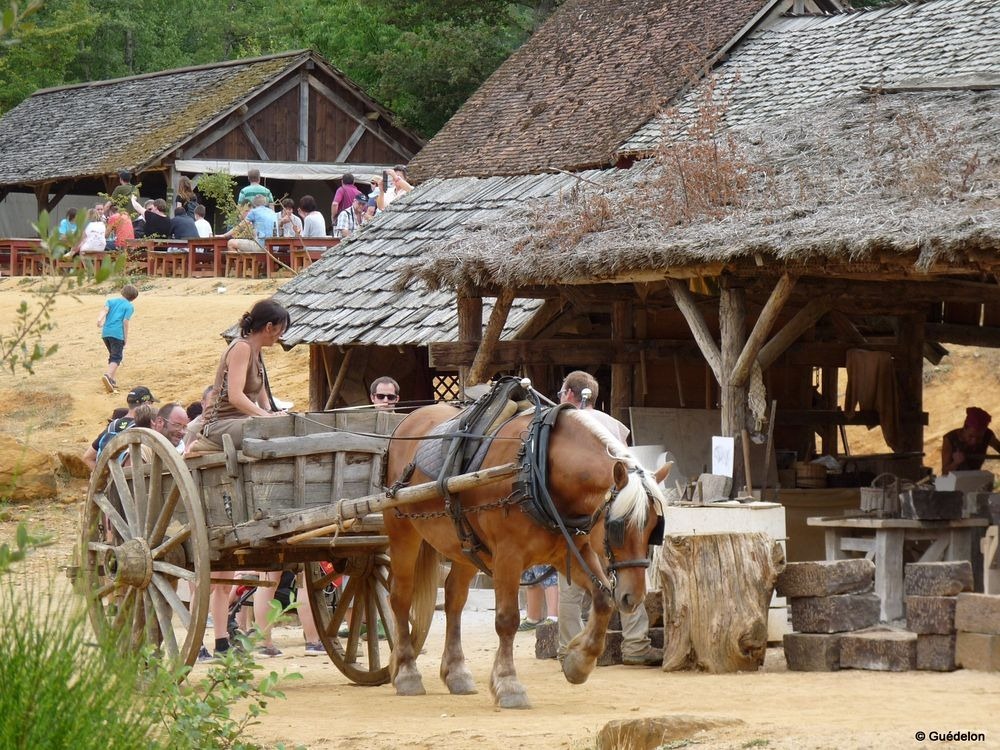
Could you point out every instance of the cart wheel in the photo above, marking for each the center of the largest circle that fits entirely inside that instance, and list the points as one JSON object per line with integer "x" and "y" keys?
{"x": 144, "y": 548}
{"x": 362, "y": 655}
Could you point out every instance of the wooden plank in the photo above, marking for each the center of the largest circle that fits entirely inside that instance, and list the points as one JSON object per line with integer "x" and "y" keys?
{"x": 948, "y": 333}
{"x": 338, "y": 383}
{"x": 324, "y": 442}
{"x": 345, "y": 152}
{"x": 310, "y": 518}
{"x": 302, "y": 147}
{"x": 251, "y": 136}
{"x": 706, "y": 342}
{"x": 621, "y": 373}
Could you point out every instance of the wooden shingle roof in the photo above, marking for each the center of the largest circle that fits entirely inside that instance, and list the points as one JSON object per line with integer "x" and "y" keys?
{"x": 586, "y": 80}
{"x": 97, "y": 128}
{"x": 800, "y": 63}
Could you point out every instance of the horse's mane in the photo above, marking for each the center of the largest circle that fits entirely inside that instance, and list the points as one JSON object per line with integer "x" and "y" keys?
{"x": 631, "y": 502}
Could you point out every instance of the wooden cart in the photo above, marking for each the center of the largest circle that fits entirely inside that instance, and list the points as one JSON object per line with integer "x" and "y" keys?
{"x": 306, "y": 488}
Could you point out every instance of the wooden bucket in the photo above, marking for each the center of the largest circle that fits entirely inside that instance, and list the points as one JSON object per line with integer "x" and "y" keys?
{"x": 810, "y": 476}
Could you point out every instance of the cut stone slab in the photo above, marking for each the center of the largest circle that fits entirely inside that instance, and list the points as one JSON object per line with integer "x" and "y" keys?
{"x": 978, "y": 651}
{"x": 925, "y": 504}
{"x": 936, "y": 653}
{"x": 978, "y": 613}
{"x": 834, "y": 614}
{"x": 647, "y": 734}
{"x": 713, "y": 487}
{"x": 812, "y": 652}
{"x": 825, "y": 578}
{"x": 547, "y": 639}
{"x": 881, "y": 650}
{"x": 937, "y": 578}
{"x": 930, "y": 614}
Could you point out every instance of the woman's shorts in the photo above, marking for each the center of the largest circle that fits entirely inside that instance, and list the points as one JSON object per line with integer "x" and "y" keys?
{"x": 536, "y": 570}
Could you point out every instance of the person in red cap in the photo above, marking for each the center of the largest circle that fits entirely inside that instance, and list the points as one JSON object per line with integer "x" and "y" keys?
{"x": 964, "y": 449}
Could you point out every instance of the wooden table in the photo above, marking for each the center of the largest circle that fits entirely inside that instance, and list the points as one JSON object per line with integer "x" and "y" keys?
{"x": 881, "y": 540}
{"x": 204, "y": 250}
{"x": 13, "y": 249}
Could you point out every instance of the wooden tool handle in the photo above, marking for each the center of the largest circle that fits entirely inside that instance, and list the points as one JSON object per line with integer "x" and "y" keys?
{"x": 746, "y": 460}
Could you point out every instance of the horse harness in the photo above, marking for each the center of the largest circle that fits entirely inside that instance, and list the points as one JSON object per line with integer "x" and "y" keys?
{"x": 465, "y": 451}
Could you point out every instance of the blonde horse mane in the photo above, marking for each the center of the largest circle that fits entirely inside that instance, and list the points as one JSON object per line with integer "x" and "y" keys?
{"x": 631, "y": 502}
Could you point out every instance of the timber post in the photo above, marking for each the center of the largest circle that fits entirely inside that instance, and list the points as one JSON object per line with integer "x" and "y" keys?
{"x": 481, "y": 363}
{"x": 621, "y": 374}
{"x": 470, "y": 329}
{"x": 732, "y": 330}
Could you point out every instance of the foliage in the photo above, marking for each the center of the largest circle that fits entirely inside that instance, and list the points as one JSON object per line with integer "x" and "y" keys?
{"x": 220, "y": 187}
{"x": 24, "y": 542}
{"x": 14, "y": 14}
{"x": 22, "y": 347}
{"x": 421, "y": 58}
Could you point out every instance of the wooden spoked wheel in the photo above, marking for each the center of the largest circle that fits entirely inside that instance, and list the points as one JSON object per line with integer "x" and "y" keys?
{"x": 363, "y": 653}
{"x": 144, "y": 548}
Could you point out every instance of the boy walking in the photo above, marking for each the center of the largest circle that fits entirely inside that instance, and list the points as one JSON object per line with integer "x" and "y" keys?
{"x": 113, "y": 323}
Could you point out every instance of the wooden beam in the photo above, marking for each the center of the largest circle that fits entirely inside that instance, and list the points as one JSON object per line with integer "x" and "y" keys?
{"x": 338, "y": 384}
{"x": 345, "y": 152}
{"x": 818, "y": 417}
{"x": 52, "y": 202}
{"x": 254, "y": 141}
{"x": 453, "y": 355}
{"x": 910, "y": 335}
{"x": 302, "y": 149}
{"x": 470, "y": 329}
{"x": 779, "y": 295}
{"x": 484, "y": 354}
{"x": 621, "y": 372}
{"x": 846, "y": 329}
{"x": 360, "y": 118}
{"x": 686, "y": 304}
{"x": 801, "y": 322}
{"x": 540, "y": 319}
{"x": 949, "y": 333}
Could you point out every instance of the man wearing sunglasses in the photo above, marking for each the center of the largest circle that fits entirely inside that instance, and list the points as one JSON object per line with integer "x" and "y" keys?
{"x": 171, "y": 422}
{"x": 384, "y": 393}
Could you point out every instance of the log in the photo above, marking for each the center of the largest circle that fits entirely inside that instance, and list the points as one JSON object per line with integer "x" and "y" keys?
{"x": 716, "y": 592}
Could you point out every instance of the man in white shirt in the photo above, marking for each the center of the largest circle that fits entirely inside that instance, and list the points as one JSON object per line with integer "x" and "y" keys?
{"x": 352, "y": 217}
{"x": 636, "y": 647}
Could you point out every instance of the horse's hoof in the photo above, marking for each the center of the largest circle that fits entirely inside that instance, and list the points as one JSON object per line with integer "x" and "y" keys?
{"x": 576, "y": 668}
{"x": 461, "y": 684}
{"x": 409, "y": 685}
{"x": 514, "y": 700}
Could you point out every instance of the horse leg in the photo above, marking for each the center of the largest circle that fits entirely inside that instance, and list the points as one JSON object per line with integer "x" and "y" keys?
{"x": 454, "y": 672}
{"x": 404, "y": 549}
{"x": 582, "y": 652}
{"x": 507, "y": 690}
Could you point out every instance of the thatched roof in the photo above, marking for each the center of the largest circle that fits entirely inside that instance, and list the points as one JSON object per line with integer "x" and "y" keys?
{"x": 587, "y": 79}
{"x": 818, "y": 170}
{"x": 97, "y": 128}
{"x": 907, "y": 177}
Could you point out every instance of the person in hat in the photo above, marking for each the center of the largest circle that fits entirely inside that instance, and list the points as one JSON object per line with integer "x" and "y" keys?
{"x": 964, "y": 449}
{"x": 138, "y": 396}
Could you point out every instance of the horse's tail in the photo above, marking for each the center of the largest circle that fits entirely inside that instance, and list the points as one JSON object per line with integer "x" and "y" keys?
{"x": 425, "y": 586}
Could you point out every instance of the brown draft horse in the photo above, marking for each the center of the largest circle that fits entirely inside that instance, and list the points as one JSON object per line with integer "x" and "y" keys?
{"x": 590, "y": 473}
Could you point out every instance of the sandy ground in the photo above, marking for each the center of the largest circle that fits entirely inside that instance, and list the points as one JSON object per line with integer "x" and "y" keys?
{"x": 174, "y": 349}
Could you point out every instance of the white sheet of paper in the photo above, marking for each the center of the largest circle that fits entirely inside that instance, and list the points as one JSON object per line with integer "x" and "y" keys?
{"x": 723, "y": 449}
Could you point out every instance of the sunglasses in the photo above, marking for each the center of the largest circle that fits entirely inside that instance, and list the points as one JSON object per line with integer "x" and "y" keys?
{"x": 386, "y": 397}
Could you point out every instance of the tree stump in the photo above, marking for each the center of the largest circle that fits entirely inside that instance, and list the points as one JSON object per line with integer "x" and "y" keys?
{"x": 716, "y": 592}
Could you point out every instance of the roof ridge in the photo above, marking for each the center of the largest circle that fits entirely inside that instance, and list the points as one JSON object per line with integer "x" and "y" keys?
{"x": 174, "y": 71}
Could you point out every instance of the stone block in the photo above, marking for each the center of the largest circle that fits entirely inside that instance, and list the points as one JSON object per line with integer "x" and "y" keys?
{"x": 978, "y": 613}
{"x": 930, "y": 614}
{"x": 654, "y": 608}
{"x": 812, "y": 652}
{"x": 834, "y": 614}
{"x": 978, "y": 651}
{"x": 612, "y": 649}
{"x": 26, "y": 474}
{"x": 937, "y": 578}
{"x": 882, "y": 650}
{"x": 825, "y": 578}
{"x": 925, "y": 504}
{"x": 654, "y": 732}
{"x": 547, "y": 639}
{"x": 936, "y": 653}
{"x": 713, "y": 487}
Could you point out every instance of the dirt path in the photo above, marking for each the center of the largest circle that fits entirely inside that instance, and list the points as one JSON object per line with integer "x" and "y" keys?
{"x": 174, "y": 349}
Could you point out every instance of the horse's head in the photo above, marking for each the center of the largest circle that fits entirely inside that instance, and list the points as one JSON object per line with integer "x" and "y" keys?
{"x": 630, "y": 509}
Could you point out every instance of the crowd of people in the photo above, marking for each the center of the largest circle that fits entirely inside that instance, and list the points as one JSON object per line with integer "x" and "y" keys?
{"x": 109, "y": 224}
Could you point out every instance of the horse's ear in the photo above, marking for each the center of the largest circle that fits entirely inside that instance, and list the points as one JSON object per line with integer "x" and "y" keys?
{"x": 620, "y": 473}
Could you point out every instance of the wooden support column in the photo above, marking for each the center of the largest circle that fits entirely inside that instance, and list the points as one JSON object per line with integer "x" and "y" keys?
{"x": 338, "y": 383}
{"x": 480, "y": 370}
{"x": 779, "y": 295}
{"x": 621, "y": 374}
{"x": 319, "y": 382}
{"x": 470, "y": 328}
{"x": 910, "y": 377}
{"x": 829, "y": 432}
{"x": 732, "y": 328}
{"x": 802, "y": 321}
{"x": 686, "y": 304}
{"x": 42, "y": 197}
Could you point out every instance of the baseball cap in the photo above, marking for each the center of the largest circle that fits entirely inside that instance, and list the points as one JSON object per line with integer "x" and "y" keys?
{"x": 361, "y": 198}
{"x": 140, "y": 395}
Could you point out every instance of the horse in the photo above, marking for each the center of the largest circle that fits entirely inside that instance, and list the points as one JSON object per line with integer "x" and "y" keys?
{"x": 590, "y": 476}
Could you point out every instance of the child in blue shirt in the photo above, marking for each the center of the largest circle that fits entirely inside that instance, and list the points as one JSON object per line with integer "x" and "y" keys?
{"x": 113, "y": 323}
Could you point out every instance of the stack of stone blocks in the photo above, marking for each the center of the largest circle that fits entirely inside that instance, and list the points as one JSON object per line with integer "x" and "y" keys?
{"x": 827, "y": 600}
{"x": 834, "y": 616}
